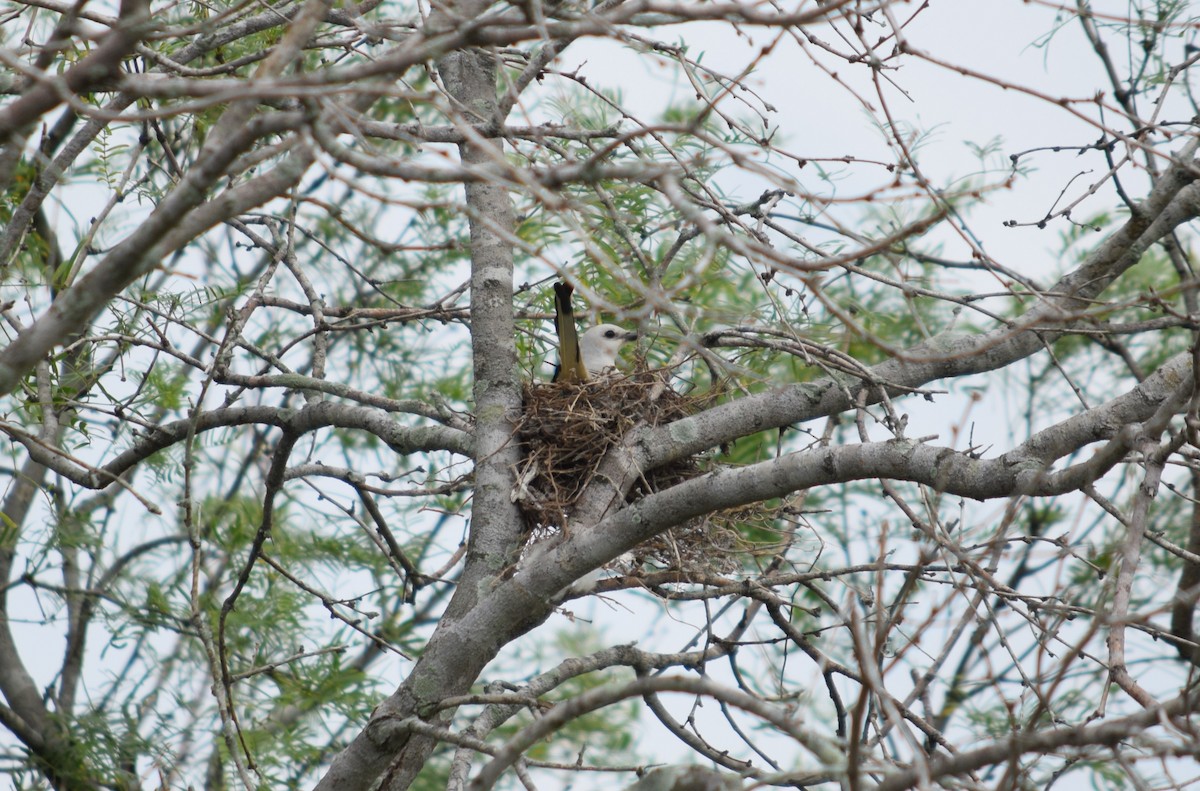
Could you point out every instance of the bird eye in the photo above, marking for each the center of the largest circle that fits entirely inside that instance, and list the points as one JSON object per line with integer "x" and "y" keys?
{"x": 610, "y": 334}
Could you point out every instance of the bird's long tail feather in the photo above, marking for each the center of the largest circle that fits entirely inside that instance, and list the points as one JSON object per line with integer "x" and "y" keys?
{"x": 570, "y": 362}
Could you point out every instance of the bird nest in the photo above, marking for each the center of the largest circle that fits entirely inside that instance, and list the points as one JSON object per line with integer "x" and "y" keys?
{"x": 566, "y": 431}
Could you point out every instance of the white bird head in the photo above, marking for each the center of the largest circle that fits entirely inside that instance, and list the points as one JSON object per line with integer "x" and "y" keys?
{"x": 600, "y": 345}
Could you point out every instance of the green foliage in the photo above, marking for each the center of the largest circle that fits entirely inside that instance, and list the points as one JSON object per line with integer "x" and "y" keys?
{"x": 101, "y": 747}
{"x": 109, "y": 162}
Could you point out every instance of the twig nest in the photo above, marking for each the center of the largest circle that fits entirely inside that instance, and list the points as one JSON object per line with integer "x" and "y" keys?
{"x": 567, "y": 429}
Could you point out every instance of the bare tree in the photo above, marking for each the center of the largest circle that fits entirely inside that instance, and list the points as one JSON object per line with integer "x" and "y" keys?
{"x": 289, "y": 501}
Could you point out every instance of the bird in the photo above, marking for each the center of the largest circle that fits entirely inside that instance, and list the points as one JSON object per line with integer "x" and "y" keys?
{"x": 592, "y": 355}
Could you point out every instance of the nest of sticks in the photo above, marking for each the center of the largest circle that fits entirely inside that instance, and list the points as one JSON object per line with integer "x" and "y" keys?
{"x": 567, "y": 429}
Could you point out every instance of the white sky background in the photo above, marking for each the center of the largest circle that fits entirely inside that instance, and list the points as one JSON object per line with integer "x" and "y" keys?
{"x": 820, "y": 119}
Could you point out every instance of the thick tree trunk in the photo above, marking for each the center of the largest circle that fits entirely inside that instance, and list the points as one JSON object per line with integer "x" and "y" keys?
{"x": 458, "y": 650}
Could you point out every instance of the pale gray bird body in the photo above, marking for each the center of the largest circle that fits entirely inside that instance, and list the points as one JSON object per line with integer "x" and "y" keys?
{"x": 600, "y": 345}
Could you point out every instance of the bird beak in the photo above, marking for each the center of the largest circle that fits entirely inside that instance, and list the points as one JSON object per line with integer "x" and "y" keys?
{"x": 631, "y": 336}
